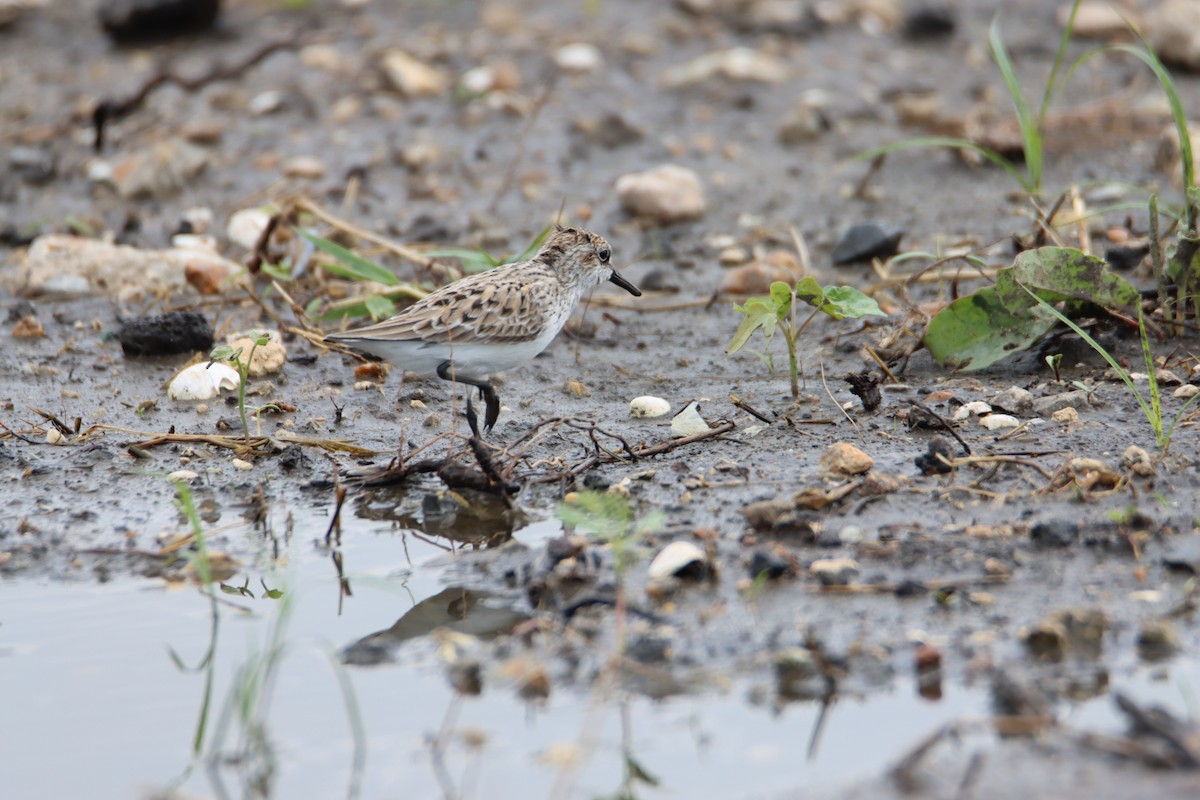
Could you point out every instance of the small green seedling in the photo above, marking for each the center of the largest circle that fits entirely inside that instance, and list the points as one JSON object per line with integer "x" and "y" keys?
{"x": 778, "y": 311}
{"x": 226, "y": 353}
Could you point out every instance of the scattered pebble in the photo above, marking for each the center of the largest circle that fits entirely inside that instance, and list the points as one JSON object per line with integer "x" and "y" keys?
{"x": 680, "y": 560}
{"x": 1065, "y": 631}
{"x": 71, "y": 264}
{"x": 1186, "y": 392}
{"x": 1014, "y": 400}
{"x": 805, "y": 123}
{"x": 309, "y": 167}
{"x": 28, "y": 327}
{"x": 1055, "y": 533}
{"x": 167, "y": 334}
{"x": 245, "y": 227}
{"x": 771, "y": 564}
{"x": 648, "y": 407}
{"x": 411, "y": 77}
{"x": 55, "y": 436}
{"x": 1066, "y": 416}
{"x": 843, "y": 458}
{"x": 1157, "y": 640}
{"x": 579, "y": 57}
{"x": 160, "y": 170}
{"x": 185, "y": 475}
{"x": 864, "y": 241}
{"x": 1046, "y": 406}
{"x": 933, "y": 460}
{"x": 1172, "y": 28}
{"x": 756, "y": 277}
{"x": 974, "y": 408}
{"x": 575, "y": 388}
{"x": 995, "y": 422}
{"x": 155, "y": 20}
{"x": 665, "y": 194}
{"x": 927, "y": 21}
{"x": 834, "y": 571}
{"x": 1137, "y": 460}
{"x": 266, "y": 358}
{"x": 737, "y": 64}
{"x": 203, "y": 382}
{"x": 242, "y": 464}
{"x": 1098, "y": 19}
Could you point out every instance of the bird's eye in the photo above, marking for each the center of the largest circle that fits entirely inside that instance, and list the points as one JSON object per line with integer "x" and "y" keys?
{"x": 603, "y": 254}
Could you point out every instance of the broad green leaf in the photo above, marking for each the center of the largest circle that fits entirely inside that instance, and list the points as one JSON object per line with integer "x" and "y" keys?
{"x": 222, "y": 352}
{"x": 846, "y": 301}
{"x": 351, "y": 265}
{"x": 759, "y": 313}
{"x": 809, "y": 290}
{"x": 976, "y": 331}
{"x": 781, "y": 298}
{"x": 1059, "y": 273}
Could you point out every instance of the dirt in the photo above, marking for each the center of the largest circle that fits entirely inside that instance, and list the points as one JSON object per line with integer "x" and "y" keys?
{"x": 965, "y": 564}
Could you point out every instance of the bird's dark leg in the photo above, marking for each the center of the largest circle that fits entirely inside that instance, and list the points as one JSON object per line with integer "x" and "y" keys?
{"x": 490, "y": 398}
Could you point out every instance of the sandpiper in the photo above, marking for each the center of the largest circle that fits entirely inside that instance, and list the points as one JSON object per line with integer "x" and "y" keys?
{"x": 493, "y": 320}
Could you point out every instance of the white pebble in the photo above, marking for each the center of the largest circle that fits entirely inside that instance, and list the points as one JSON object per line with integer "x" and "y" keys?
{"x": 579, "y": 57}
{"x": 648, "y": 406}
{"x": 688, "y": 422}
{"x": 976, "y": 407}
{"x": 673, "y": 559}
{"x": 185, "y": 475}
{"x": 203, "y": 382}
{"x": 997, "y": 421}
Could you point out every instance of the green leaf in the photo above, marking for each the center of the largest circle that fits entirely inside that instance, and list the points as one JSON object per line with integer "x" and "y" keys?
{"x": 760, "y": 313}
{"x": 352, "y": 265}
{"x": 379, "y": 307}
{"x": 1059, "y": 273}
{"x": 279, "y": 272}
{"x": 841, "y": 302}
{"x": 781, "y": 298}
{"x": 976, "y": 331}
{"x": 810, "y": 291}
{"x": 223, "y": 352}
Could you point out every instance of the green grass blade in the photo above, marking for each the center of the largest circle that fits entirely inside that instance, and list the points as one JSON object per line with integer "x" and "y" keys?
{"x": 1031, "y": 134}
{"x": 351, "y": 265}
{"x": 1112, "y": 362}
{"x": 953, "y": 143}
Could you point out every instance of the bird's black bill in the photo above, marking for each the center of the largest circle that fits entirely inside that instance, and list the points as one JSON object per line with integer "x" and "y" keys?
{"x": 624, "y": 284}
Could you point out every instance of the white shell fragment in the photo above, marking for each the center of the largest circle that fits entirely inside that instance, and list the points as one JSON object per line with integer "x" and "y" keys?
{"x": 245, "y": 227}
{"x": 997, "y": 421}
{"x": 688, "y": 422}
{"x": 976, "y": 407}
{"x": 202, "y": 382}
{"x": 675, "y": 558}
{"x": 647, "y": 407}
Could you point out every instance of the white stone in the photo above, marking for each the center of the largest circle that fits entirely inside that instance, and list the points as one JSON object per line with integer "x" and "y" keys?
{"x": 665, "y": 194}
{"x": 688, "y": 422}
{"x": 203, "y": 381}
{"x": 738, "y": 63}
{"x": 579, "y": 57}
{"x": 994, "y": 422}
{"x": 673, "y": 559}
{"x": 976, "y": 408}
{"x": 648, "y": 407}
{"x": 411, "y": 77}
{"x": 245, "y": 227}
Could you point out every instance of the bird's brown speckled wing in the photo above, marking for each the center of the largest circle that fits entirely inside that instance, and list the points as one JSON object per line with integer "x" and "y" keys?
{"x": 506, "y": 306}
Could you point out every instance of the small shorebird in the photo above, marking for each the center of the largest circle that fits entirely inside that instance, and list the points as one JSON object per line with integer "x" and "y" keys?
{"x": 493, "y": 320}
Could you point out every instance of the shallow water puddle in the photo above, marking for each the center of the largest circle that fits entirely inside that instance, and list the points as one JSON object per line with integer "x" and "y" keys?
{"x": 95, "y": 707}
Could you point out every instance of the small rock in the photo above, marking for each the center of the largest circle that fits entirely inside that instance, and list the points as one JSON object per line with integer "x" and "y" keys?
{"x": 1137, "y": 460}
{"x": 974, "y": 408}
{"x": 843, "y": 458}
{"x": 1157, "y": 640}
{"x": 35, "y": 165}
{"x": 579, "y": 57}
{"x": 1055, "y": 533}
{"x": 203, "y": 382}
{"x": 185, "y": 475}
{"x": 1186, "y": 392}
{"x": 55, "y": 436}
{"x": 803, "y": 124}
{"x": 242, "y": 464}
{"x": 995, "y": 422}
{"x": 771, "y": 564}
{"x": 1046, "y": 406}
{"x": 1014, "y": 400}
{"x": 737, "y": 64}
{"x": 1068, "y": 630}
{"x": 267, "y": 102}
{"x": 160, "y": 170}
{"x": 665, "y": 194}
{"x": 411, "y": 77}
{"x": 610, "y": 131}
{"x": 929, "y": 22}
{"x": 1184, "y": 554}
{"x": 1172, "y": 28}
{"x": 265, "y": 359}
{"x": 309, "y": 167}
{"x": 648, "y": 407}
{"x": 834, "y": 571}
{"x": 155, "y": 20}
{"x": 757, "y": 276}
{"x": 245, "y": 227}
{"x": 864, "y": 241}
{"x": 1066, "y": 416}
{"x": 28, "y": 327}
{"x": 1098, "y": 19}
{"x": 575, "y": 388}
{"x": 649, "y": 649}
{"x": 1092, "y": 473}
{"x": 170, "y": 333}
{"x": 680, "y": 560}
{"x": 933, "y": 461}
